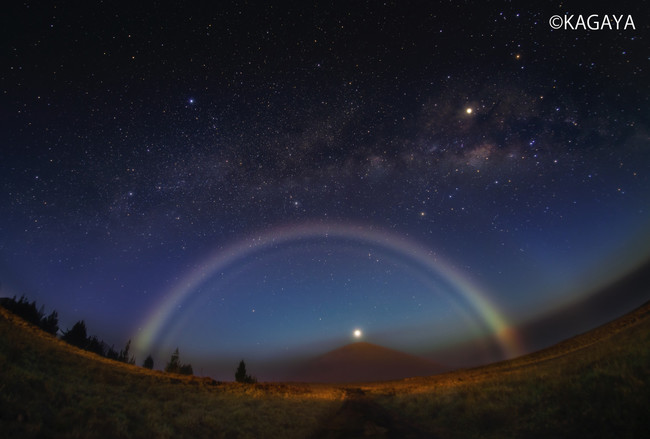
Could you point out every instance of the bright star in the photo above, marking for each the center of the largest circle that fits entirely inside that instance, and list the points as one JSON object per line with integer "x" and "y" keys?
{"x": 357, "y": 333}
{"x": 468, "y": 111}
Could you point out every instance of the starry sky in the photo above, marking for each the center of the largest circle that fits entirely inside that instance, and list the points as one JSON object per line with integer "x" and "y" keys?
{"x": 257, "y": 180}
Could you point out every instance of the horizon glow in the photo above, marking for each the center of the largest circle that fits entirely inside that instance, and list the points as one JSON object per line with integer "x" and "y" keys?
{"x": 223, "y": 260}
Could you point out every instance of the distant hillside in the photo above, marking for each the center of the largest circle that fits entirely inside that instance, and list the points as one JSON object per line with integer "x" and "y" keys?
{"x": 363, "y": 362}
{"x": 594, "y": 385}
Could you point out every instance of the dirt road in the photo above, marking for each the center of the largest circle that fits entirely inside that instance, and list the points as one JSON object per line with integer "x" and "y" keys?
{"x": 360, "y": 417}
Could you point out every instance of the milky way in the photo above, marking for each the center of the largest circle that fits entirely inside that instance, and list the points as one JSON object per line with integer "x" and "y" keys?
{"x": 140, "y": 142}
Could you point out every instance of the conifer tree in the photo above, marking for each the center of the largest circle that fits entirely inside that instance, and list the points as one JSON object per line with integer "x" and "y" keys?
{"x": 77, "y": 336}
{"x": 124, "y": 355}
{"x": 241, "y": 376}
{"x": 51, "y": 323}
{"x": 174, "y": 364}
{"x": 148, "y": 362}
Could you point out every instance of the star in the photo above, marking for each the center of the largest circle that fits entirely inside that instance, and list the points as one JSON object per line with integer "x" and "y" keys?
{"x": 453, "y": 153}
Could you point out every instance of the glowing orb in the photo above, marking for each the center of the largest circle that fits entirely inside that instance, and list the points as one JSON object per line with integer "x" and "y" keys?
{"x": 357, "y": 333}
{"x": 468, "y": 111}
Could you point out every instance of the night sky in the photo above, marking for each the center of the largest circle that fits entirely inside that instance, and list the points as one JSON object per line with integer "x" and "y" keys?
{"x": 253, "y": 181}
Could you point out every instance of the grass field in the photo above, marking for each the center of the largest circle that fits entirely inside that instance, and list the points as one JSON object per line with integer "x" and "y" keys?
{"x": 51, "y": 389}
{"x": 594, "y": 385}
{"x": 597, "y": 385}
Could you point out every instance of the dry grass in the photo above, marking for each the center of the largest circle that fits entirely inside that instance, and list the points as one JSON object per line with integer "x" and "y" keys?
{"x": 595, "y": 385}
{"x": 49, "y": 388}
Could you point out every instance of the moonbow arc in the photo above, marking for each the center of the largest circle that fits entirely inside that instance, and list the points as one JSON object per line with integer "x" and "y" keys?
{"x": 475, "y": 296}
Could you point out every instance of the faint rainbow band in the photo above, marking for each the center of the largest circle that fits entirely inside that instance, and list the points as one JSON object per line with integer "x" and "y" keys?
{"x": 506, "y": 336}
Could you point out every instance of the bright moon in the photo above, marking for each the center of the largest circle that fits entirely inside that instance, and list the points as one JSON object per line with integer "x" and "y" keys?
{"x": 357, "y": 333}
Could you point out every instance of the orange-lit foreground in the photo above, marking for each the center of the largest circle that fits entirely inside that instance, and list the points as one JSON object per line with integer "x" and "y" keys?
{"x": 593, "y": 385}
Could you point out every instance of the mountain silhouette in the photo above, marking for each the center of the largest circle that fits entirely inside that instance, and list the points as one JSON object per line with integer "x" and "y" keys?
{"x": 362, "y": 361}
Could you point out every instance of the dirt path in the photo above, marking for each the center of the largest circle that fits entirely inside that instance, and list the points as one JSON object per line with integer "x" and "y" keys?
{"x": 360, "y": 417}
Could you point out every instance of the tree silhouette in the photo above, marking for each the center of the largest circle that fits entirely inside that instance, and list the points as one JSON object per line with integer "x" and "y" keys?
{"x": 240, "y": 373}
{"x": 76, "y": 336}
{"x": 241, "y": 376}
{"x": 29, "y": 312}
{"x": 95, "y": 345}
{"x": 51, "y": 323}
{"x": 112, "y": 353}
{"x": 148, "y": 362}
{"x": 186, "y": 369}
{"x": 175, "y": 366}
{"x": 124, "y": 356}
